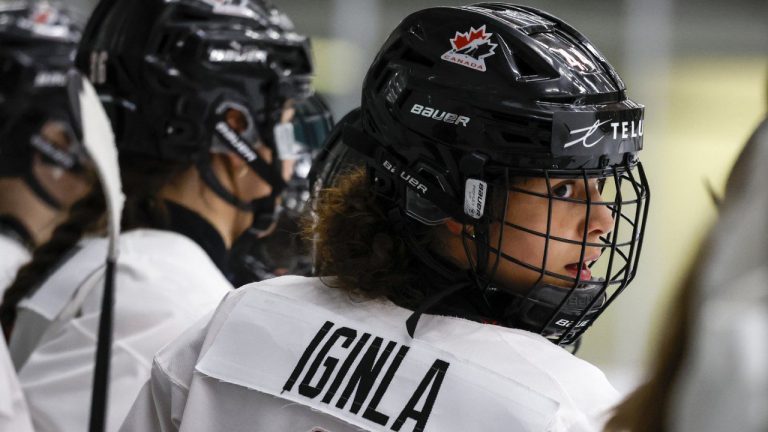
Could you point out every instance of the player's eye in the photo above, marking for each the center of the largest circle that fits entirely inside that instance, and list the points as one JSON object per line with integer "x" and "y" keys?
{"x": 563, "y": 190}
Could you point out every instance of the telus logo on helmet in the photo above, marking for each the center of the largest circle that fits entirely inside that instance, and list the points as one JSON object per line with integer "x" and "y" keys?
{"x": 471, "y": 48}
{"x": 436, "y": 114}
{"x": 629, "y": 129}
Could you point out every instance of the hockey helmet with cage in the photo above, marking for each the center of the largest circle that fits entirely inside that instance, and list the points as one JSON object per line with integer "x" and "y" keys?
{"x": 460, "y": 101}
{"x": 169, "y": 71}
{"x": 38, "y": 40}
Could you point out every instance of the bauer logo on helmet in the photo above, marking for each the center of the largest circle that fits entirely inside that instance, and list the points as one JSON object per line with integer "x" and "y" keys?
{"x": 440, "y": 115}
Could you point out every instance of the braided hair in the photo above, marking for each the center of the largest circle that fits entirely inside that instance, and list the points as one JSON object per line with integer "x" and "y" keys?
{"x": 142, "y": 180}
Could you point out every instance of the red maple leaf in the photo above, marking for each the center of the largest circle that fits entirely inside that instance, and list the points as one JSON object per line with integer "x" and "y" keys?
{"x": 42, "y": 17}
{"x": 463, "y": 39}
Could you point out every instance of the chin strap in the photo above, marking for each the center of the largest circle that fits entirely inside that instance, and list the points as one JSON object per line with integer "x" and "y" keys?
{"x": 265, "y": 210}
{"x": 399, "y": 223}
{"x": 41, "y": 192}
{"x": 429, "y": 303}
{"x": 270, "y": 172}
{"x": 62, "y": 159}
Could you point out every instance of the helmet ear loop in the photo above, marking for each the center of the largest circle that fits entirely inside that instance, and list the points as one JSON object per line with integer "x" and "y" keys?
{"x": 482, "y": 247}
{"x": 481, "y": 237}
{"x": 480, "y": 234}
{"x": 500, "y": 243}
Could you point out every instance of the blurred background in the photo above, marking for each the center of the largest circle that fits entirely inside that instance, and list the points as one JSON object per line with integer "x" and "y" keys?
{"x": 700, "y": 68}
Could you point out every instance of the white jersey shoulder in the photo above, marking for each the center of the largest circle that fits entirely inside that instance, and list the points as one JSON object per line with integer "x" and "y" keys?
{"x": 14, "y": 414}
{"x": 13, "y": 255}
{"x": 292, "y": 354}
{"x": 164, "y": 283}
{"x": 163, "y": 262}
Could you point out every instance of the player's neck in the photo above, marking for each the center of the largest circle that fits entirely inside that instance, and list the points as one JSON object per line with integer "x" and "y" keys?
{"x": 190, "y": 191}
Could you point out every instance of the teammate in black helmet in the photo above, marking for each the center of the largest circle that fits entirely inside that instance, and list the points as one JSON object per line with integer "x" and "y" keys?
{"x": 200, "y": 96}
{"x": 500, "y": 208}
{"x": 284, "y": 251}
{"x": 42, "y": 166}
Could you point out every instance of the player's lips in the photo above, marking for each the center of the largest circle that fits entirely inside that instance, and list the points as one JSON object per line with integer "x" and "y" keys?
{"x": 581, "y": 270}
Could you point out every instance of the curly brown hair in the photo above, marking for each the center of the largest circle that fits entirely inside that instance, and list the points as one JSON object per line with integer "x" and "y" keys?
{"x": 358, "y": 249}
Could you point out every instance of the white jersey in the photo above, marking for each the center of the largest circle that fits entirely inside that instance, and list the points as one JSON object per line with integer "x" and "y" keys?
{"x": 13, "y": 255}
{"x": 291, "y": 354}
{"x": 164, "y": 283}
{"x": 14, "y": 414}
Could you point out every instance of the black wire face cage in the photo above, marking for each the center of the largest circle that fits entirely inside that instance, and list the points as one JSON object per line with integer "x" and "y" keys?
{"x": 575, "y": 269}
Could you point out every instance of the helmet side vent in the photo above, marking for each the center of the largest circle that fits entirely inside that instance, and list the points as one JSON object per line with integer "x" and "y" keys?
{"x": 413, "y": 57}
{"x": 383, "y": 73}
{"x": 519, "y": 139}
{"x": 520, "y": 121}
{"x": 526, "y": 70}
{"x": 588, "y": 99}
{"x": 165, "y": 45}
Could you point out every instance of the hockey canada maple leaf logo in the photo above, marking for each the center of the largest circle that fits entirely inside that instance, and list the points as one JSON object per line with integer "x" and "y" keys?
{"x": 43, "y": 14}
{"x": 471, "y": 48}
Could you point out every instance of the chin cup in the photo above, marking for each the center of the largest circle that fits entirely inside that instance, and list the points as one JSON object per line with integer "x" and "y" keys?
{"x": 557, "y": 313}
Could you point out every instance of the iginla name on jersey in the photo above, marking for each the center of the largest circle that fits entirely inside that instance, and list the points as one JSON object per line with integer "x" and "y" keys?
{"x": 361, "y": 380}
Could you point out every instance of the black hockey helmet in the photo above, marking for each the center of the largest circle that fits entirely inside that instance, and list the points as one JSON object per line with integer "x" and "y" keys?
{"x": 460, "y": 101}
{"x": 168, "y": 71}
{"x": 38, "y": 40}
{"x": 284, "y": 250}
